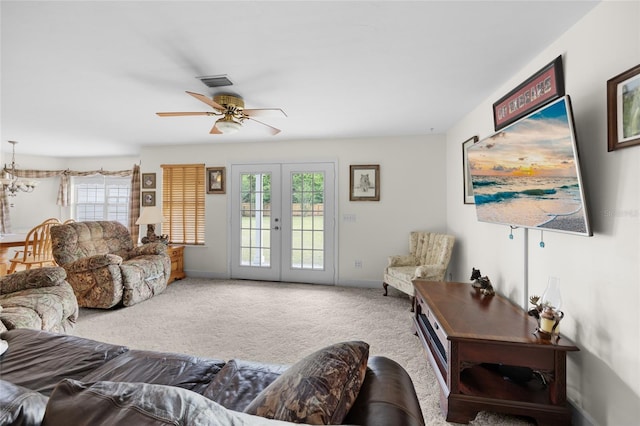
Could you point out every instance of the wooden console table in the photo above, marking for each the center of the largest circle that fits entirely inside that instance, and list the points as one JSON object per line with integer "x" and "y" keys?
{"x": 475, "y": 342}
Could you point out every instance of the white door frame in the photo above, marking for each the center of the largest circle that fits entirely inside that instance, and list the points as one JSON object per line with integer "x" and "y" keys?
{"x": 283, "y": 271}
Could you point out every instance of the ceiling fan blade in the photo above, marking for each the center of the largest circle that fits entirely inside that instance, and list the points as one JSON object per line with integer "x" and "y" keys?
{"x": 264, "y": 112}
{"x": 207, "y": 100}
{"x": 215, "y": 130}
{"x": 180, "y": 114}
{"x": 272, "y": 129}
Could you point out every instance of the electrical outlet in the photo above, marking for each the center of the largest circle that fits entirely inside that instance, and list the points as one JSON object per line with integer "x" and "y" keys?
{"x": 358, "y": 264}
{"x": 349, "y": 217}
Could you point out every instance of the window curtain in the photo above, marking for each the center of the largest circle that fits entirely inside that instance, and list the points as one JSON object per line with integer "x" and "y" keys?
{"x": 64, "y": 190}
{"x": 5, "y": 220}
{"x": 134, "y": 204}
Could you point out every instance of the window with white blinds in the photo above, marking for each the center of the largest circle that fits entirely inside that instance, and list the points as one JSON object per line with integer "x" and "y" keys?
{"x": 183, "y": 192}
{"x": 101, "y": 198}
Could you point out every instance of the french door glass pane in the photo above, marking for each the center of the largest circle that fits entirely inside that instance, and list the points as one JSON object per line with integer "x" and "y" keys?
{"x": 255, "y": 192}
{"x": 307, "y": 203}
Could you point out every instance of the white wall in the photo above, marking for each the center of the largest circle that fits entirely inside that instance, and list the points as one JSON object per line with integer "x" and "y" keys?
{"x": 599, "y": 275}
{"x": 31, "y": 209}
{"x": 412, "y": 196}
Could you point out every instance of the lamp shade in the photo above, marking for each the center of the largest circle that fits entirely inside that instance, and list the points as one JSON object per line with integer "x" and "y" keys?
{"x": 228, "y": 125}
{"x": 151, "y": 216}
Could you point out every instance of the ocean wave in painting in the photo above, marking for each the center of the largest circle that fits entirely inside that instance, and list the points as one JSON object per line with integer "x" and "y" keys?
{"x": 528, "y": 201}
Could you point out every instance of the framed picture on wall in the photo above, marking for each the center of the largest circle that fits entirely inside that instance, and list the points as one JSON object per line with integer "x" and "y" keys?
{"x": 148, "y": 198}
{"x": 623, "y": 109}
{"x": 148, "y": 181}
{"x": 467, "y": 184}
{"x": 215, "y": 180}
{"x": 538, "y": 90}
{"x": 364, "y": 183}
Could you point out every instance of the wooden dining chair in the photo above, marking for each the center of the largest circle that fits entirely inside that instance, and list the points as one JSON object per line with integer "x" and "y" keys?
{"x": 37, "y": 248}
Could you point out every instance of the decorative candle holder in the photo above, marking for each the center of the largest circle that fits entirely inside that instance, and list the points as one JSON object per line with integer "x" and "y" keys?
{"x": 549, "y": 321}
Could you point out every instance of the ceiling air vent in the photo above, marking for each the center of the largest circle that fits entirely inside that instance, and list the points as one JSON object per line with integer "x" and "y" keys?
{"x": 215, "y": 80}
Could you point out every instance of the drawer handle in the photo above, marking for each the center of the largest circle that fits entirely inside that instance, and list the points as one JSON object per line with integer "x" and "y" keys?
{"x": 436, "y": 326}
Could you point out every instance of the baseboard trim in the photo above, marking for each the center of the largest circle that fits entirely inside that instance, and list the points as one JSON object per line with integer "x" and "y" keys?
{"x": 360, "y": 284}
{"x": 210, "y": 275}
{"x": 342, "y": 283}
{"x": 579, "y": 417}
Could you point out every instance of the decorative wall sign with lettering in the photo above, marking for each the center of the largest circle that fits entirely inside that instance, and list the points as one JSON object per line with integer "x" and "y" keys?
{"x": 536, "y": 91}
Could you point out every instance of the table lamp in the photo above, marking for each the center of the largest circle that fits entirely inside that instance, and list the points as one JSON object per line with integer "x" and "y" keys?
{"x": 150, "y": 216}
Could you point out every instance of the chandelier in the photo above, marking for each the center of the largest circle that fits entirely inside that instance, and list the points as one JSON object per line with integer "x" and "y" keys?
{"x": 12, "y": 184}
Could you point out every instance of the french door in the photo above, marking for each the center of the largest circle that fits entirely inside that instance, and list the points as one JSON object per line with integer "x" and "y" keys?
{"x": 283, "y": 222}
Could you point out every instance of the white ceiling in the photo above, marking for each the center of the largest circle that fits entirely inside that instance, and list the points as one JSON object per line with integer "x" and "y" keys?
{"x": 85, "y": 78}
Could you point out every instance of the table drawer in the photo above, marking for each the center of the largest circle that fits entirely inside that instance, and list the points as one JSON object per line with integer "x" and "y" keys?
{"x": 175, "y": 252}
{"x": 437, "y": 328}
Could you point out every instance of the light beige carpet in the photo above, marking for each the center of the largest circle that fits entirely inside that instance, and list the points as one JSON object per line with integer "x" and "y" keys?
{"x": 274, "y": 322}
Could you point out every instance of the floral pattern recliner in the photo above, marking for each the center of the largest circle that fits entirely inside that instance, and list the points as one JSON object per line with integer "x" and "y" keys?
{"x": 103, "y": 266}
{"x": 428, "y": 259}
{"x": 40, "y": 299}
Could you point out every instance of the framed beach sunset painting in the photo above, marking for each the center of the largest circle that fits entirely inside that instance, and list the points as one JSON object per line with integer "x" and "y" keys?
{"x": 528, "y": 174}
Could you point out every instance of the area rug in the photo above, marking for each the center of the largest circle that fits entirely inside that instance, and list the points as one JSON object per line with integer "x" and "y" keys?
{"x": 277, "y": 323}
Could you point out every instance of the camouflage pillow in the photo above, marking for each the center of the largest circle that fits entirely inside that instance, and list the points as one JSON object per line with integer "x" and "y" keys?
{"x": 319, "y": 389}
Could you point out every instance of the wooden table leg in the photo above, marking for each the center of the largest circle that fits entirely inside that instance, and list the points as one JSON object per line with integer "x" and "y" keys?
{"x": 3, "y": 261}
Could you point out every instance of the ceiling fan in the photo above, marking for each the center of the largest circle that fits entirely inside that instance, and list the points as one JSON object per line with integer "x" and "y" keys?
{"x": 232, "y": 112}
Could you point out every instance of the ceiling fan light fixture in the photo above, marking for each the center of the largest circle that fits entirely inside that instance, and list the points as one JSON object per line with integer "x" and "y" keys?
{"x": 228, "y": 125}
{"x": 229, "y": 100}
{"x": 231, "y": 108}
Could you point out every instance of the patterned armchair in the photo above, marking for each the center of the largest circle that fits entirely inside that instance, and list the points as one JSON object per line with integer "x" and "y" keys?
{"x": 428, "y": 259}
{"x": 40, "y": 299}
{"x": 103, "y": 266}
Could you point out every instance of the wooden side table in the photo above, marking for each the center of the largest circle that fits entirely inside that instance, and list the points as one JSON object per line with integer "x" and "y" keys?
{"x": 176, "y": 253}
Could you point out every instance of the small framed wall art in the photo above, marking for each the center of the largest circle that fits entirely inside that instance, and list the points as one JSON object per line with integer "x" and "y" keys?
{"x": 623, "y": 109}
{"x": 215, "y": 180}
{"x": 148, "y": 181}
{"x": 364, "y": 182}
{"x": 467, "y": 184}
{"x": 148, "y": 198}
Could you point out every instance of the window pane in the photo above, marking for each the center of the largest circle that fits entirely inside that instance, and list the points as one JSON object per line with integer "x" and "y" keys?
{"x": 307, "y": 210}
{"x": 101, "y": 198}
{"x": 256, "y": 218}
